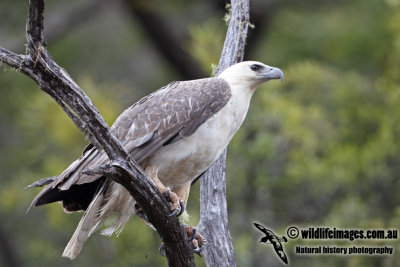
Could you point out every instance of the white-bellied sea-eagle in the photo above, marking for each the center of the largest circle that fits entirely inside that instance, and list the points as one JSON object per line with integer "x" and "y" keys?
{"x": 174, "y": 134}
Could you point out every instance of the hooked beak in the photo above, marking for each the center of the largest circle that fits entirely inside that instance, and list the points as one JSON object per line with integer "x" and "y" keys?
{"x": 270, "y": 73}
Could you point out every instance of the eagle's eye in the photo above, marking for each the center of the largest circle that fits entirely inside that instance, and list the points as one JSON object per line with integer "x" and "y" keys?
{"x": 255, "y": 67}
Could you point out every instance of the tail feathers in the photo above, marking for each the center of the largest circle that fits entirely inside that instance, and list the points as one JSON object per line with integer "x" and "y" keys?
{"x": 122, "y": 204}
{"x": 124, "y": 212}
{"x": 65, "y": 180}
{"x": 112, "y": 198}
{"x": 86, "y": 226}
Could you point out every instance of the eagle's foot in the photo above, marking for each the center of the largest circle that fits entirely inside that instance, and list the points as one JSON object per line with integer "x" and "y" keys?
{"x": 197, "y": 240}
{"x": 162, "y": 250}
{"x": 177, "y": 209}
{"x": 177, "y": 205}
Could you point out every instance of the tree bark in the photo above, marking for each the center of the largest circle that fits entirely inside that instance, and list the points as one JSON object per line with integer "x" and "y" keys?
{"x": 213, "y": 207}
{"x": 55, "y": 81}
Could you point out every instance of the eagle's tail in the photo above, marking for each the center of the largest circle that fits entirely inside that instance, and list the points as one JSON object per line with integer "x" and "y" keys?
{"x": 112, "y": 198}
{"x": 120, "y": 203}
{"x": 86, "y": 225}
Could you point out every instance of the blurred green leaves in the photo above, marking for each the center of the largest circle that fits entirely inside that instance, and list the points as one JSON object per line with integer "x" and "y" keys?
{"x": 206, "y": 42}
{"x": 324, "y": 145}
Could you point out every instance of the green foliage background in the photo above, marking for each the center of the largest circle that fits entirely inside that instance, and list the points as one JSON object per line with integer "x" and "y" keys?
{"x": 322, "y": 148}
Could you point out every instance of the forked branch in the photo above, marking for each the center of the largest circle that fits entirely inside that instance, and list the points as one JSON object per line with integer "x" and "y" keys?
{"x": 55, "y": 81}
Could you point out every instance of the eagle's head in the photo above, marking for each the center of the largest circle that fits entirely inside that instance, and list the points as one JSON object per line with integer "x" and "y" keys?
{"x": 250, "y": 74}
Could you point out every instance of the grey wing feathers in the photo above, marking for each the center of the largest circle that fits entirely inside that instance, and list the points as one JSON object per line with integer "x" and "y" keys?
{"x": 172, "y": 112}
{"x": 174, "y": 107}
{"x": 169, "y": 114}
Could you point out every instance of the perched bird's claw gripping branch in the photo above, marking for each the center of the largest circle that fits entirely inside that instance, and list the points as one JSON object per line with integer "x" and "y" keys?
{"x": 55, "y": 81}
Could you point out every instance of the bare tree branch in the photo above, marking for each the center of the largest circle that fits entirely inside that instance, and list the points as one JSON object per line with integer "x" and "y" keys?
{"x": 213, "y": 207}
{"x": 34, "y": 27}
{"x": 11, "y": 59}
{"x": 261, "y": 15}
{"x": 55, "y": 81}
{"x": 42, "y": 182}
{"x": 235, "y": 40}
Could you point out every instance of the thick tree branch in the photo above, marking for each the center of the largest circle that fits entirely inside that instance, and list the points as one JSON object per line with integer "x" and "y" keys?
{"x": 34, "y": 28}
{"x": 213, "y": 207}
{"x": 261, "y": 15}
{"x": 55, "y": 81}
{"x": 235, "y": 40}
{"x": 11, "y": 59}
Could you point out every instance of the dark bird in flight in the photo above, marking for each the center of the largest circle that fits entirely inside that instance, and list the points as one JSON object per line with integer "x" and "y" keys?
{"x": 175, "y": 134}
{"x": 271, "y": 238}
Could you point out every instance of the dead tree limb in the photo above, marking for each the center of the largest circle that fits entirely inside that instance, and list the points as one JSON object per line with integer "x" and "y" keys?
{"x": 213, "y": 207}
{"x": 55, "y": 81}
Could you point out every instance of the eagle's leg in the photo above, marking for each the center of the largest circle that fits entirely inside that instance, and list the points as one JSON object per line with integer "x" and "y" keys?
{"x": 171, "y": 197}
{"x": 183, "y": 192}
{"x": 177, "y": 205}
